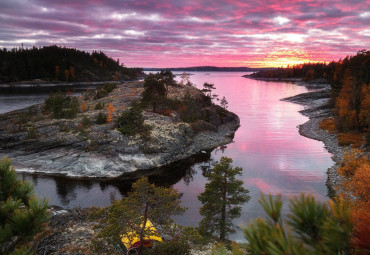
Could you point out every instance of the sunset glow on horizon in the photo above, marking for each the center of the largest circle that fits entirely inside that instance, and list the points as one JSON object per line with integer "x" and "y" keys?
{"x": 182, "y": 33}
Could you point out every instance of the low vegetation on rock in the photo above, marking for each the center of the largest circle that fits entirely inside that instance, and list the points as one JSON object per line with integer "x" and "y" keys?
{"x": 118, "y": 128}
{"x": 62, "y": 106}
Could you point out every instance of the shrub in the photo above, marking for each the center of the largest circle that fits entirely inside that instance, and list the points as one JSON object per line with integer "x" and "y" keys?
{"x": 346, "y": 139}
{"x": 101, "y": 119}
{"x": 165, "y": 112}
{"x": 131, "y": 122}
{"x": 32, "y": 133}
{"x": 172, "y": 247}
{"x": 219, "y": 249}
{"x": 188, "y": 108}
{"x": 328, "y": 124}
{"x": 85, "y": 121}
{"x": 63, "y": 127}
{"x": 62, "y": 106}
{"x": 104, "y": 90}
{"x": 99, "y": 106}
{"x": 83, "y": 107}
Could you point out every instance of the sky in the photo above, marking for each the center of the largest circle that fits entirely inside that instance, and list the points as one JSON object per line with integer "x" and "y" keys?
{"x": 181, "y": 33}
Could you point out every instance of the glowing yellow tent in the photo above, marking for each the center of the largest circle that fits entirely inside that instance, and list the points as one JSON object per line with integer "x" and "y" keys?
{"x": 132, "y": 239}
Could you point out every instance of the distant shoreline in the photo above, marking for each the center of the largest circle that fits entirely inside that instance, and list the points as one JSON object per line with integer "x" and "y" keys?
{"x": 210, "y": 69}
{"x": 272, "y": 79}
{"x": 39, "y": 86}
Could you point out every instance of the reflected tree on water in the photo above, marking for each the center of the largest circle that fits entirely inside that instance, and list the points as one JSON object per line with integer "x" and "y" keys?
{"x": 222, "y": 148}
{"x": 189, "y": 175}
{"x": 67, "y": 189}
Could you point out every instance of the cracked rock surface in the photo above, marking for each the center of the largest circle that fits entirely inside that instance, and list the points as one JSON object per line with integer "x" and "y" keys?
{"x": 37, "y": 143}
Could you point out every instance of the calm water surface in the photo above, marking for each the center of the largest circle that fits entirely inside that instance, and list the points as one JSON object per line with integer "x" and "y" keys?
{"x": 274, "y": 157}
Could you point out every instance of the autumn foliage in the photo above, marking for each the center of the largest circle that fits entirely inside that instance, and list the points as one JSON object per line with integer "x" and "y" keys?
{"x": 83, "y": 107}
{"x": 355, "y": 187}
{"x": 111, "y": 110}
{"x": 350, "y": 89}
{"x": 354, "y": 139}
{"x": 328, "y": 124}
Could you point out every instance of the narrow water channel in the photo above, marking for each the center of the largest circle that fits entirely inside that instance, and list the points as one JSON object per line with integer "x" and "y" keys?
{"x": 274, "y": 157}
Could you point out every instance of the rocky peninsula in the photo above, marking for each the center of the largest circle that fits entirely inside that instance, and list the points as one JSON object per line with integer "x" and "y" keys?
{"x": 79, "y": 147}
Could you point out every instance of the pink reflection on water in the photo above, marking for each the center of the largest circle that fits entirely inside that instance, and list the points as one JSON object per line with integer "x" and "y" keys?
{"x": 269, "y": 188}
{"x": 275, "y": 158}
{"x": 262, "y": 185}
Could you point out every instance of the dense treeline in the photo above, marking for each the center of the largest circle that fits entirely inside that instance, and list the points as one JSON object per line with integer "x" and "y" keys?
{"x": 350, "y": 82}
{"x": 307, "y": 71}
{"x": 53, "y": 63}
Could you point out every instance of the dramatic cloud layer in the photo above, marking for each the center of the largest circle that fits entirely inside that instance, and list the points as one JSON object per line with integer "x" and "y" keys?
{"x": 178, "y": 33}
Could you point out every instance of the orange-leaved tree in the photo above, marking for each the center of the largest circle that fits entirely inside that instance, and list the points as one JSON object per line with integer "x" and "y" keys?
{"x": 345, "y": 107}
{"x": 83, "y": 107}
{"x": 364, "y": 115}
{"x": 111, "y": 110}
{"x": 355, "y": 187}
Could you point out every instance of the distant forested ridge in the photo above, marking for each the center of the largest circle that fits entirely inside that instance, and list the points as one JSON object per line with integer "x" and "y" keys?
{"x": 350, "y": 87}
{"x": 210, "y": 69}
{"x": 53, "y": 63}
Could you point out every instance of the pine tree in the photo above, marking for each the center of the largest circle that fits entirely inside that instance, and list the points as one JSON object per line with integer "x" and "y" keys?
{"x": 155, "y": 90}
{"x": 207, "y": 88}
{"x": 145, "y": 202}
{"x": 21, "y": 214}
{"x": 101, "y": 118}
{"x": 312, "y": 227}
{"x": 224, "y": 103}
{"x": 167, "y": 77}
{"x": 221, "y": 199}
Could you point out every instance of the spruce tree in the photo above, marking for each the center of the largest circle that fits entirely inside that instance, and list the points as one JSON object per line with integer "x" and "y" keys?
{"x": 21, "y": 214}
{"x": 221, "y": 199}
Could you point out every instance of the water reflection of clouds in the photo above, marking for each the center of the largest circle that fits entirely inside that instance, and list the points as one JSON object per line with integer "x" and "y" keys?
{"x": 274, "y": 157}
{"x": 287, "y": 189}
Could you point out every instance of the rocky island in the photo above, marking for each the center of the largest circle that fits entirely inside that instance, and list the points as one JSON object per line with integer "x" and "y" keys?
{"x": 86, "y": 145}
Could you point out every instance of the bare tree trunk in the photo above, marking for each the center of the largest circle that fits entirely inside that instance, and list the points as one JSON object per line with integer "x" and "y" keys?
{"x": 223, "y": 213}
{"x": 140, "y": 251}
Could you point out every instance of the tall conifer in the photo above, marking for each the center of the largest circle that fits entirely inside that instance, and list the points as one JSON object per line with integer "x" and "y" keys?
{"x": 221, "y": 199}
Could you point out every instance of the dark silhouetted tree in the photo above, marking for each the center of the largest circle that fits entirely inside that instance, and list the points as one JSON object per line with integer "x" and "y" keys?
{"x": 154, "y": 90}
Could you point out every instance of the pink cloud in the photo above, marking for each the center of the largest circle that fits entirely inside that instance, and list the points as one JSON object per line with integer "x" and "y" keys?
{"x": 185, "y": 33}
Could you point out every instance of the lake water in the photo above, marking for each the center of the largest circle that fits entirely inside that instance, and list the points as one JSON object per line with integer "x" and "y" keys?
{"x": 274, "y": 157}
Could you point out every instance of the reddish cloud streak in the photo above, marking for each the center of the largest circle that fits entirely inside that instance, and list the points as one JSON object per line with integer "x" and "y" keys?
{"x": 177, "y": 33}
